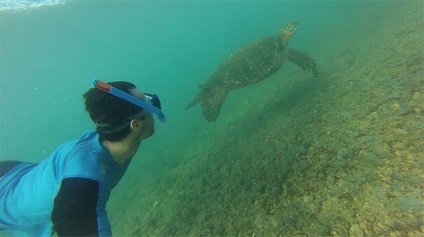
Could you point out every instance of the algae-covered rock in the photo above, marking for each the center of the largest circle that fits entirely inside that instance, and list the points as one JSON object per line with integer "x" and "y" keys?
{"x": 356, "y": 230}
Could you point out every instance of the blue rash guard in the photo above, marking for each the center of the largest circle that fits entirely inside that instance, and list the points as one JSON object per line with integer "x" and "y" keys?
{"x": 66, "y": 193}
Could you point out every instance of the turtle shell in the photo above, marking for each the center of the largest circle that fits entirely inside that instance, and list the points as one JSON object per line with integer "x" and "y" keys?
{"x": 248, "y": 65}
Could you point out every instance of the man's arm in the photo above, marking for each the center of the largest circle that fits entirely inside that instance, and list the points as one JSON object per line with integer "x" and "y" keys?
{"x": 74, "y": 212}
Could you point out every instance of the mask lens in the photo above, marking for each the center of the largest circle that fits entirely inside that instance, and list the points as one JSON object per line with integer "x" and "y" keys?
{"x": 153, "y": 99}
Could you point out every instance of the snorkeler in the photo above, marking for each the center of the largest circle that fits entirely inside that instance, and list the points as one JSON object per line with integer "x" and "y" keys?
{"x": 67, "y": 193}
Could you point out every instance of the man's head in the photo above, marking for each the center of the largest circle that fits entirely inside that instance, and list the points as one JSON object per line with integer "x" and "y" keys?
{"x": 114, "y": 117}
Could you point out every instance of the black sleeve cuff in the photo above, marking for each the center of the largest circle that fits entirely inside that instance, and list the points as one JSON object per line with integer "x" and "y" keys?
{"x": 74, "y": 212}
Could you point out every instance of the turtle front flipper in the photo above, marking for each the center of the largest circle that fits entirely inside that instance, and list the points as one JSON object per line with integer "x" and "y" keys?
{"x": 302, "y": 60}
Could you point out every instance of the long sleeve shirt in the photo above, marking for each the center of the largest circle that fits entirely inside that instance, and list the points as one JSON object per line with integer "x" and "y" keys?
{"x": 66, "y": 193}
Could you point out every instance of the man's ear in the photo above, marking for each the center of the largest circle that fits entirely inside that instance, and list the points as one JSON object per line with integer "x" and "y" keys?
{"x": 135, "y": 125}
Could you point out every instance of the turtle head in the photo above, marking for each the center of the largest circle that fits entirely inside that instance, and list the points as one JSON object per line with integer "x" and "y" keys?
{"x": 289, "y": 29}
{"x": 287, "y": 32}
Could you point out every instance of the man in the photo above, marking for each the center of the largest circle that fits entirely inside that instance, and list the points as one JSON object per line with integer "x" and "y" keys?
{"x": 67, "y": 193}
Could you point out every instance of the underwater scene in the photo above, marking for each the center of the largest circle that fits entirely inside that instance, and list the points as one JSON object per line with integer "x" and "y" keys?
{"x": 330, "y": 143}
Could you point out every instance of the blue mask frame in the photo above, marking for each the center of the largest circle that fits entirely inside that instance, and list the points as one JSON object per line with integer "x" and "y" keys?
{"x": 132, "y": 99}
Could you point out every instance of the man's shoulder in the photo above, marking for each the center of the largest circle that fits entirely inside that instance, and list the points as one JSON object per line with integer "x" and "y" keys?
{"x": 84, "y": 157}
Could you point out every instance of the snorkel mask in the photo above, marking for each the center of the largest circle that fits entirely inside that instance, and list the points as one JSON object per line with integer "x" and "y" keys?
{"x": 152, "y": 105}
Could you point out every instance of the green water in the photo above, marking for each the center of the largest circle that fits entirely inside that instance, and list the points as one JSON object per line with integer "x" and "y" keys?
{"x": 289, "y": 156}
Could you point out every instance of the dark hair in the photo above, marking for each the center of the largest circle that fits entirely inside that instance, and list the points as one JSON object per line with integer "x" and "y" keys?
{"x": 110, "y": 111}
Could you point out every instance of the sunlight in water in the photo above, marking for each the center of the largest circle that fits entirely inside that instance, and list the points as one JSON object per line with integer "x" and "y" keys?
{"x": 27, "y": 4}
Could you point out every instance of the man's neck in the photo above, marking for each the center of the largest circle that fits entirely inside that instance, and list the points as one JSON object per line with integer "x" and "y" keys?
{"x": 122, "y": 150}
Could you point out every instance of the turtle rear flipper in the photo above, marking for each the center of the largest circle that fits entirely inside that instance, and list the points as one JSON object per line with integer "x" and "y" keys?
{"x": 212, "y": 102}
{"x": 302, "y": 60}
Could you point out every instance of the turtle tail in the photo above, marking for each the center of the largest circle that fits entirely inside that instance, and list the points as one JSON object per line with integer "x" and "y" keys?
{"x": 198, "y": 98}
{"x": 195, "y": 101}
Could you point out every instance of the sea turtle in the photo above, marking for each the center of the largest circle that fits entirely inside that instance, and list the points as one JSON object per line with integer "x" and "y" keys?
{"x": 250, "y": 64}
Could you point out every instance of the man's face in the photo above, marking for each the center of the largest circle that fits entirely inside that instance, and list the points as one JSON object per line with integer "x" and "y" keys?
{"x": 148, "y": 123}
